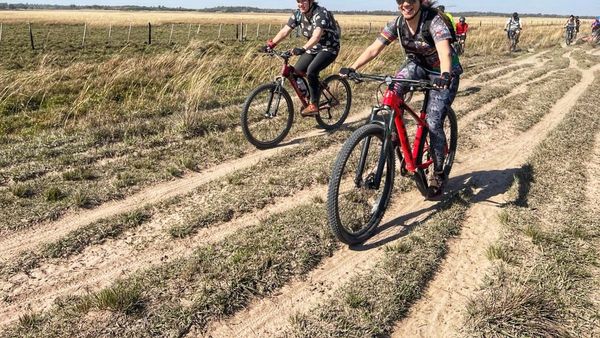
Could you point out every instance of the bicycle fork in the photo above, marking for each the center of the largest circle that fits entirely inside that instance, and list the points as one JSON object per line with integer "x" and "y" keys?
{"x": 374, "y": 182}
{"x": 277, "y": 90}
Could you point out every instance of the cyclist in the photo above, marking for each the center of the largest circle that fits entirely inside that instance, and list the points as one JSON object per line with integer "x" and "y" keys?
{"x": 577, "y": 25}
{"x": 425, "y": 34}
{"x": 596, "y": 24}
{"x": 596, "y": 31}
{"x": 442, "y": 9}
{"x": 513, "y": 26}
{"x": 570, "y": 26}
{"x": 320, "y": 29}
{"x": 462, "y": 27}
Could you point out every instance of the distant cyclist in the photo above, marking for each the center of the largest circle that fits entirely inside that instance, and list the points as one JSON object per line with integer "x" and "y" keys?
{"x": 596, "y": 31}
{"x": 570, "y": 26}
{"x": 462, "y": 27}
{"x": 442, "y": 9}
{"x": 596, "y": 24}
{"x": 513, "y": 26}
{"x": 577, "y": 25}
{"x": 321, "y": 49}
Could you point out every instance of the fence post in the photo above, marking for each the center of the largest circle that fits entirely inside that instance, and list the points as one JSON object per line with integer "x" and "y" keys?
{"x": 109, "y": 33}
{"x": 0, "y": 32}
{"x": 31, "y": 36}
{"x": 257, "y": 30}
{"x": 237, "y": 32}
{"x": 149, "y": 33}
{"x": 171, "y": 35}
{"x": 46, "y": 40}
{"x": 129, "y": 33}
{"x": 369, "y": 28}
{"x": 198, "y": 30}
{"x": 220, "y": 27}
{"x": 189, "y": 32}
{"x": 245, "y": 31}
{"x": 84, "y": 34}
{"x": 241, "y": 31}
{"x": 269, "y": 31}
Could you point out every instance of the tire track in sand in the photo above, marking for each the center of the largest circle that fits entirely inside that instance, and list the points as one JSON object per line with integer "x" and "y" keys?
{"x": 464, "y": 267}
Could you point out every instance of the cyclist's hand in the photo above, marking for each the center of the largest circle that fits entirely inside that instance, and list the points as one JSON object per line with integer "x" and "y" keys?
{"x": 298, "y": 51}
{"x": 344, "y": 72}
{"x": 269, "y": 46}
{"x": 264, "y": 49}
{"x": 443, "y": 81}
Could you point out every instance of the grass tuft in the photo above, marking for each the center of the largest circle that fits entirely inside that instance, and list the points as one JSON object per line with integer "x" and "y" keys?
{"x": 54, "y": 194}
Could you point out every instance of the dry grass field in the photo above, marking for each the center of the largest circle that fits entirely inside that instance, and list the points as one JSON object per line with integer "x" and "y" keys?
{"x": 132, "y": 205}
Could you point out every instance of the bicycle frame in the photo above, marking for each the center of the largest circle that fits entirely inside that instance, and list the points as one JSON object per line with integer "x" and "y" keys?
{"x": 395, "y": 105}
{"x": 289, "y": 72}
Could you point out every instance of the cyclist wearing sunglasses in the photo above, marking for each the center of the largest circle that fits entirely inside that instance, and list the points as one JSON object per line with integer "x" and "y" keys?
{"x": 321, "y": 48}
{"x": 425, "y": 34}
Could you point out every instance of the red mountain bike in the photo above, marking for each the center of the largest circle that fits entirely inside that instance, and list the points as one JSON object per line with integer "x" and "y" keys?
{"x": 268, "y": 112}
{"x": 363, "y": 173}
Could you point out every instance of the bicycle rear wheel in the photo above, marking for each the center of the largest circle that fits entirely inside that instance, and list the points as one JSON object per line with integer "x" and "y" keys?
{"x": 336, "y": 99}
{"x": 424, "y": 153}
{"x": 267, "y": 115}
{"x": 355, "y": 205}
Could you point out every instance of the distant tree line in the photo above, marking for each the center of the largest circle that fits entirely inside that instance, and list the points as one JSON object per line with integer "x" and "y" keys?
{"x": 245, "y": 9}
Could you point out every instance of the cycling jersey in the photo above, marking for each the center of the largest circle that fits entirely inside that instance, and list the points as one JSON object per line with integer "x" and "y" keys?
{"x": 462, "y": 28}
{"x": 513, "y": 24}
{"x": 416, "y": 46}
{"x": 570, "y": 24}
{"x": 321, "y": 18}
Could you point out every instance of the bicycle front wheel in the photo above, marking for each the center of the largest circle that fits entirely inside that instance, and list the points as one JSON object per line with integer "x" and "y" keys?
{"x": 425, "y": 153}
{"x": 336, "y": 99}
{"x": 267, "y": 115}
{"x": 356, "y": 202}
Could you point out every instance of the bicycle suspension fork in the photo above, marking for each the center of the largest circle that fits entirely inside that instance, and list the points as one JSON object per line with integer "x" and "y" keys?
{"x": 383, "y": 152}
{"x": 275, "y": 94}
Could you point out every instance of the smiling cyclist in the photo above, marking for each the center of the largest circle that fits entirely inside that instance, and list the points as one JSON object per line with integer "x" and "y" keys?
{"x": 426, "y": 35}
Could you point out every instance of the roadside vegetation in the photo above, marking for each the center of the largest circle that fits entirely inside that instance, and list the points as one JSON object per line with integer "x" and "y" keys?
{"x": 545, "y": 280}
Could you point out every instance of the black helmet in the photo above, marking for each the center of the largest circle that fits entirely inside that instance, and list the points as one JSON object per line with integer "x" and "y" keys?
{"x": 462, "y": 19}
{"x": 515, "y": 15}
{"x": 572, "y": 16}
{"x": 441, "y": 8}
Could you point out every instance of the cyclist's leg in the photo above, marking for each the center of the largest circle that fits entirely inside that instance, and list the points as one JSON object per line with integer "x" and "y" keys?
{"x": 303, "y": 62}
{"x": 439, "y": 103}
{"x": 410, "y": 71}
{"x": 320, "y": 62}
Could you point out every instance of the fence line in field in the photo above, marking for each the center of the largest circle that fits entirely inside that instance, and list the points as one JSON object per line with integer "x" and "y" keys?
{"x": 222, "y": 32}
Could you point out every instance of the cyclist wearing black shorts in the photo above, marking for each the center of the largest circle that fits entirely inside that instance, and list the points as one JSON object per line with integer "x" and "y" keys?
{"x": 425, "y": 34}
{"x": 322, "y": 47}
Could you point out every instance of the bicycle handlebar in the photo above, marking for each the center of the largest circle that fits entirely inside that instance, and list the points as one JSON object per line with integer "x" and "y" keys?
{"x": 286, "y": 54}
{"x": 389, "y": 80}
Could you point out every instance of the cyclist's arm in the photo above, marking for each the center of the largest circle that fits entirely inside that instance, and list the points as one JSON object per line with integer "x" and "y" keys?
{"x": 445, "y": 54}
{"x": 369, "y": 54}
{"x": 282, "y": 34}
{"x": 314, "y": 39}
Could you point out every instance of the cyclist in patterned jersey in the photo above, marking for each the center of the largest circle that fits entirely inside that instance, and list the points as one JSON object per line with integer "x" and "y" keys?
{"x": 514, "y": 25}
{"x": 425, "y": 35}
{"x": 571, "y": 23}
{"x": 320, "y": 50}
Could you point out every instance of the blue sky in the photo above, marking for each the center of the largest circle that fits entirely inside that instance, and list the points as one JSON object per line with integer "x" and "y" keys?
{"x": 576, "y": 7}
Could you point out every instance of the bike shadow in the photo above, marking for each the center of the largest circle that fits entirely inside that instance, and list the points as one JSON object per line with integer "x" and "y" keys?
{"x": 484, "y": 184}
